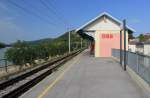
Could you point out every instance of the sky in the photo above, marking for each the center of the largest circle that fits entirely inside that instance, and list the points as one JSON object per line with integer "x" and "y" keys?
{"x": 37, "y": 19}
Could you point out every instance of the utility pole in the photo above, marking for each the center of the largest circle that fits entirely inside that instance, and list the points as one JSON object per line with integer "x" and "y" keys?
{"x": 69, "y": 41}
{"x": 121, "y": 47}
{"x": 81, "y": 43}
{"x": 125, "y": 57}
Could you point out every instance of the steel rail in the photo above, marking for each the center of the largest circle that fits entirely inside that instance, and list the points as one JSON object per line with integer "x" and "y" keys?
{"x": 30, "y": 83}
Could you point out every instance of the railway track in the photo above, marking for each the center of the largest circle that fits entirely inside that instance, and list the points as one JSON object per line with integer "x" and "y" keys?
{"x": 17, "y": 85}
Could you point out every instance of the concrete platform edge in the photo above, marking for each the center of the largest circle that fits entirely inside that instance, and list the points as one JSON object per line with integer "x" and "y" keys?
{"x": 142, "y": 84}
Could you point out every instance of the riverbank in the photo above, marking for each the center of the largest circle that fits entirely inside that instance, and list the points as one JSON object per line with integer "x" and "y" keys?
{"x": 11, "y": 70}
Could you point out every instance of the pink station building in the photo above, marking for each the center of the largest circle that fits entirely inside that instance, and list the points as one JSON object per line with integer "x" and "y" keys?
{"x": 104, "y": 34}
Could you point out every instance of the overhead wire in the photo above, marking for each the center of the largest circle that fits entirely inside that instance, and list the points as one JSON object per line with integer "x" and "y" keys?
{"x": 57, "y": 12}
{"x": 52, "y": 11}
{"x": 51, "y": 8}
{"x": 32, "y": 13}
{"x": 51, "y": 19}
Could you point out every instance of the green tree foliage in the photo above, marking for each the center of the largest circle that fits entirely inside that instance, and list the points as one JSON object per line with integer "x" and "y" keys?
{"x": 22, "y": 53}
{"x": 141, "y": 37}
{"x": 2, "y": 45}
{"x": 19, "y": 53}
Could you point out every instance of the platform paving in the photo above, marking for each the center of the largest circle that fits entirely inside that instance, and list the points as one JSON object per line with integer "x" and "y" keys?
{"x": 87, "y": 77}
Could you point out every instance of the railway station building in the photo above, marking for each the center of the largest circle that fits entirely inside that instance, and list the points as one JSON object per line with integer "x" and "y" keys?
{"x": 104, "y": 34}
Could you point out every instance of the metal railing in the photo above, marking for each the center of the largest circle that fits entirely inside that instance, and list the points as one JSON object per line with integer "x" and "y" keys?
{"x": 137, "y": 62}
{"x": 4, "y": 64}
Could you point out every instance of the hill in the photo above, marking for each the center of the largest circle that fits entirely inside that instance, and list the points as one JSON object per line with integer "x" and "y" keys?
{"x": 61, "y": 39}
{"x": 45, "y": 40}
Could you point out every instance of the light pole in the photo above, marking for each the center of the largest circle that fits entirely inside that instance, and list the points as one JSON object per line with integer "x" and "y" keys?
{"x": 69, "y": 40}
{"x": 121, "y": 47}
{"x": 123, "y": 54}
{"x": 124, "y": 29}
{"x": 81, "y": 43}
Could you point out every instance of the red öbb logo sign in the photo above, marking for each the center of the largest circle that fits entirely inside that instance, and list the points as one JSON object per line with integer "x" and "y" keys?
{"x": 107, "y": 36}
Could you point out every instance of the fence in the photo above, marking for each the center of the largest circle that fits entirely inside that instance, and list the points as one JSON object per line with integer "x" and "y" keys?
{"x": 4, "y": 64}
{"x": 137, "y": 62}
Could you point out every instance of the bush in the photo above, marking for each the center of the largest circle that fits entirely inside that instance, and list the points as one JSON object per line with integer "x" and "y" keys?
{"x": 22, "y": 53}
{"x": 2, "y": 45}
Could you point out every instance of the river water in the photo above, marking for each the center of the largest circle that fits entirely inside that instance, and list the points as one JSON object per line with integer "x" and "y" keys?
{"x": 2, "y": 54}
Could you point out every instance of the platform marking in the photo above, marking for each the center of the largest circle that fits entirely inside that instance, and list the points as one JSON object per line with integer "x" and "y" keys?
{"x": 57, "y": 79}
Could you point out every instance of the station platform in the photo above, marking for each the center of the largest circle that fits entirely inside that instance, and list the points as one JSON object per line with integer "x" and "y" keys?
{"x": 87, "y": 77}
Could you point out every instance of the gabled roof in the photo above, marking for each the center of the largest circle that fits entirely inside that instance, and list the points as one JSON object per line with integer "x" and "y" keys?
{"x": 101, "y": 15}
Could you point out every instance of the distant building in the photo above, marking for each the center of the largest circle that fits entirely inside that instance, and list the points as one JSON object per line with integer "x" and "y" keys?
{"x": 139, "y": 47}
{"x": 132, "y": 46}
{"x": 147, "y": 47}
{"x": 147, "y": 36}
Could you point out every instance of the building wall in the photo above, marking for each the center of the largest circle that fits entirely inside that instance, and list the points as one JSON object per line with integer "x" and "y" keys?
{"x": 104, "y": 45}
{"x": 132, "y": 48}
{"x": 143, "y": 49}
{"x": 105, "y": 26}
{"x": 140, "y": 49}
{"x": 147, "y": 49}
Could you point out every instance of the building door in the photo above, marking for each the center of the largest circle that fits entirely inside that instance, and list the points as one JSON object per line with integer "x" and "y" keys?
{"x": 92, "y": 48}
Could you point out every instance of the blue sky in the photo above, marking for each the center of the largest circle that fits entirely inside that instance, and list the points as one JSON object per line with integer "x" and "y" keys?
{"x": 37, "y": 21}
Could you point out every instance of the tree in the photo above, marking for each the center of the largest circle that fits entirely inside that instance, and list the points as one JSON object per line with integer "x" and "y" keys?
{"x": 18, "y": 54}
{"x": 22, "y": 53}
{"x": 141, "y": 37}
{"x": 2, "y": 45}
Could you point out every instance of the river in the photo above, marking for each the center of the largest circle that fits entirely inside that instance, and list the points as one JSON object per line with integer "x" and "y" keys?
{"x": 2, "y": 54}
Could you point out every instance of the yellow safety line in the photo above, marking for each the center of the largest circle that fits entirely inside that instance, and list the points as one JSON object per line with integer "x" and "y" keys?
{"x": 56, "y": 80}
